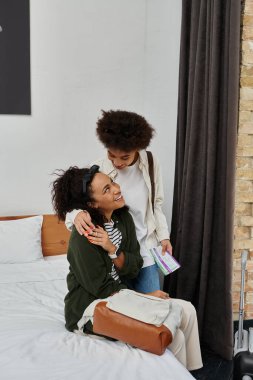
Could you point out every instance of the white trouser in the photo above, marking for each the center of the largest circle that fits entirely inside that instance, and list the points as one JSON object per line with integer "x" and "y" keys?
{"x": 185, "y": 345}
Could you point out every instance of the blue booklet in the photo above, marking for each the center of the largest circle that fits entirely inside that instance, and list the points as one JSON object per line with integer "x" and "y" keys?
{"x": 167, "y": 263}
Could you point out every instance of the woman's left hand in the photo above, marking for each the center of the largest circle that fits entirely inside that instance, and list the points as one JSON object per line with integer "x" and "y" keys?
{"x": 99, "y": 236}
{"x": 166, "y": 246}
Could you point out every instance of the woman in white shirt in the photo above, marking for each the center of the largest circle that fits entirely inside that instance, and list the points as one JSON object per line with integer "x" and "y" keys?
{"x": 126, "y": 135}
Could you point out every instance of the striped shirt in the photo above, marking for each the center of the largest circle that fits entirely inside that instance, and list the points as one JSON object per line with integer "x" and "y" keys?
{"x": 115, "y": 236}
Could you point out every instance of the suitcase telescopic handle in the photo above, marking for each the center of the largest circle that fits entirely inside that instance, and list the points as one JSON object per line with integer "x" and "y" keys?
{"x": 244, "y": 258}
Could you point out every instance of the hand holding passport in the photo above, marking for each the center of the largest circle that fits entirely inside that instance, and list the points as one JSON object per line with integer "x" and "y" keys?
{"x": 167, "y": 263}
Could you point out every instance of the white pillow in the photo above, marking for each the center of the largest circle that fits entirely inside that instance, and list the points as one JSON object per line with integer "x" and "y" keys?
{"x": 20, "y": 240}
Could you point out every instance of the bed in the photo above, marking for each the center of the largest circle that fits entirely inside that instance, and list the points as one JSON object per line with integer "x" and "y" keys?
{"x": 34, "y": 344}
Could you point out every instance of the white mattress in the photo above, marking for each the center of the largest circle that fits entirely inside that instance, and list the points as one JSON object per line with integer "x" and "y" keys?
{"x": 34, "y": 344}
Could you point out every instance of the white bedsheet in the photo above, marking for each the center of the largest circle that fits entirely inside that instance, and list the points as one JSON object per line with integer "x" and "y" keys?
{"x": 34, "y": 344}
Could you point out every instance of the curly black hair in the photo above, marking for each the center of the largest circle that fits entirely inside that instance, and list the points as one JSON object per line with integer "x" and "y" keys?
{"x": 67, "y": 193}
{"x": 124, "y": 130}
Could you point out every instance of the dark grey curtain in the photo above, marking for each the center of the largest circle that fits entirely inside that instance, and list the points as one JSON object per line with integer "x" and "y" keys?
{"x": 202, "y": 221}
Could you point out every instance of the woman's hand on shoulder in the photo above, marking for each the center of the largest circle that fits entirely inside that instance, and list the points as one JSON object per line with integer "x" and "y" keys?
{"x": 83, "y": 223}
{"x": 100, "y": 237}
{"x": 166, "y": 246}
{"x": 159, "y": 294}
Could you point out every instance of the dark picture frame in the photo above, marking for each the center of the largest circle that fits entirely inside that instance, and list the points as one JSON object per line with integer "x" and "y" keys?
{"x": 15, "y": 82}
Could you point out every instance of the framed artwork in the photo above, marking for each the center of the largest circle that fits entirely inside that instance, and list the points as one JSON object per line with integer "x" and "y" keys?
{"x": 15, "y": 83}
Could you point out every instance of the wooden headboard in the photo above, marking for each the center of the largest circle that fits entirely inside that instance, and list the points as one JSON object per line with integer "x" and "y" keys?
{"x": 54, "y": 235}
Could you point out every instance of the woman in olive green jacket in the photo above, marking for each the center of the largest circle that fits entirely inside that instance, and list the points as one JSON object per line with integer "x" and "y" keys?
{"x": 101, "y": 263}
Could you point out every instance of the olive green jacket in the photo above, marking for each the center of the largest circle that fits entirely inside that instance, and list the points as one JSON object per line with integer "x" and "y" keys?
{"x": 90, "y": 269}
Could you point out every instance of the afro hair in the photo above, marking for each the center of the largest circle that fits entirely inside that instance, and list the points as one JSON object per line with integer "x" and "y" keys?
{"x": 123, "y": 130}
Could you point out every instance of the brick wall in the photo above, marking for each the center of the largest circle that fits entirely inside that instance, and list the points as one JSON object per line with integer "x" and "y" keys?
{"x": 243, "y": 223}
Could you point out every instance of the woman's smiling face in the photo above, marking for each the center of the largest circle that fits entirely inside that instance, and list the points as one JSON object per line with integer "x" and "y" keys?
{"x": 106, "y": 194}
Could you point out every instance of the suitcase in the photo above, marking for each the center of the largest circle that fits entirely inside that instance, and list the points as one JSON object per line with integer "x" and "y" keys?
{"x": 243, "y": 346}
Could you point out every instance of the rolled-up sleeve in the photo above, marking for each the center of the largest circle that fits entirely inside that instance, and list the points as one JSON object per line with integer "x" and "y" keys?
{"x": 70, "y": 217}
{"x": 162, "y": 230}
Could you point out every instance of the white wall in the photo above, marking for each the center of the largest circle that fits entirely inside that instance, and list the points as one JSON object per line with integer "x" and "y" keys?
{"x": 88, "y": 55}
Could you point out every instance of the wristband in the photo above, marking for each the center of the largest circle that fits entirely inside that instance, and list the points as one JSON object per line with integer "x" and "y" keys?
{"x": 115, "y": 254}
